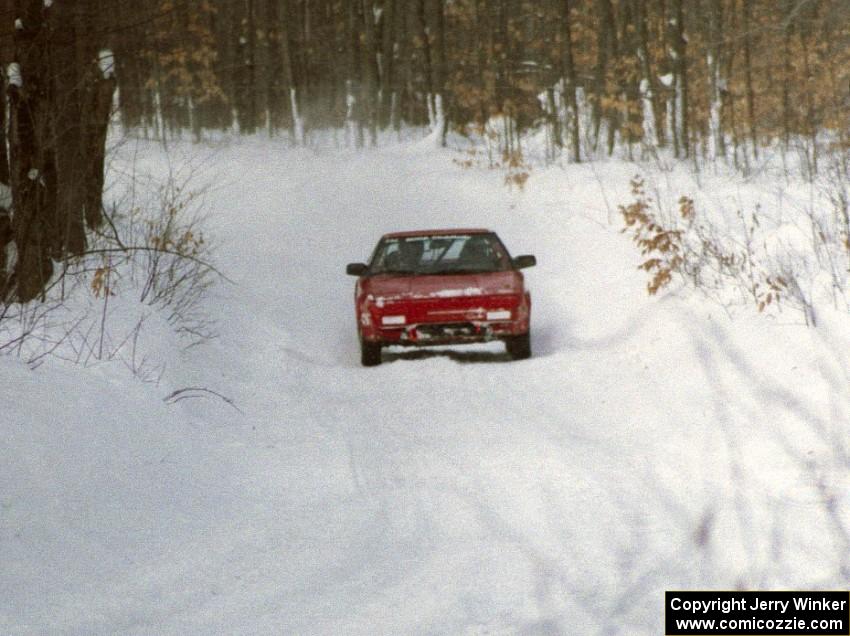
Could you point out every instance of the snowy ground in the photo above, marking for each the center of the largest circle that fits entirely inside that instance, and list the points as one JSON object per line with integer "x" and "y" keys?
{"x": 649, "y": 444}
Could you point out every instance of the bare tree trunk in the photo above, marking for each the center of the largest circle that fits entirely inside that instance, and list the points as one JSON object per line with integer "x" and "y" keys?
{"x": 606, "y": 39}
{"x": 30, "y": 111}
{"x": 647, "y": 83}
{"x": 354, "y": 108}
{"x": 716, "y": 83}
{"x": 297, "y": 127}
{"x": 97, "y": 127}
{"x": 482, "y": 60}
{"x": 6, "y": 235}
{"x": 6, "y": 239}
{"x": 370, "y": 80}
{"x": 678, "y": 52}
{"x": 808, "y": 90}
{"x": 245, "y": 69}
{"x": 401, "y": 63}
{"x": 438, "y": 47}
{"x": 427, "y": 65}
{"x": 748, "y": 76}
{"x": 60, "y": 101}
{"x": 273, "y": 70}
{"x": 570, "y": 85}
{"x": 787, "y": 68}
{"x": 387, "y": 99}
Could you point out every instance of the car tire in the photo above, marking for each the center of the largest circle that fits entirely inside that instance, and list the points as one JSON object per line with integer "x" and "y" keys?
{"x": 519, "y": 347}
{"x": 370, "y": 353}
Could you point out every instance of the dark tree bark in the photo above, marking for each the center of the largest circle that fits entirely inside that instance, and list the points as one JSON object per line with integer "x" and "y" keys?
{"x": 59, "y": 102}
{"x": 245, "y": 69}
{"x": 387, "y": 63}
{"x": 606, "y": 42}
{"x": 72, "y": 92}
{"x": 4, "y": 156}
{"x": 273, "y": 70}
{"x": 30, "y": 112}
{"x": 94, "y": 145}
{"x": 6, "y": 238}
{"x": 787, "y": 68}
{"x": 427, "y": 66}
{"x": 715, "y": 81}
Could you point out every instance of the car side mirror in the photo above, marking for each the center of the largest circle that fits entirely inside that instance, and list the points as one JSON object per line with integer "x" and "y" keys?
{"x": 356, "y": 269}
{"x": 526, "y": 260}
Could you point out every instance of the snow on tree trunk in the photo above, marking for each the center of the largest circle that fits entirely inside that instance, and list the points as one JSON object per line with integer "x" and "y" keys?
{"x": 650, "y": 133}
{"x": 670, "y": 116}
{"x": 715, "y": 142}
{"x": 353, "y": 125}
{"x": 432, "y": 117}
{"x": 297, "y": 119}
{"x": 395, "y": 120}
{"x": 553, "y": 127}
{"x": 716, "y": 85}
{"x": 440, "y": 122}
{"x": 679, "y": 110}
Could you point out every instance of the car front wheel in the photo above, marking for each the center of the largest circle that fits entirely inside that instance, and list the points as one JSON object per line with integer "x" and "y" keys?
{"x": 519, "y": 347}
{"x": 370, "y": 353}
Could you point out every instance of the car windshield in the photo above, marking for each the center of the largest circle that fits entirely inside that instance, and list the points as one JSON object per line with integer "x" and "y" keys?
{"x": 444, "y": 254}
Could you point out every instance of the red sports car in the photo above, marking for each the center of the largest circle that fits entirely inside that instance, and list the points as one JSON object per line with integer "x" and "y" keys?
{"x": 441, "y": 287}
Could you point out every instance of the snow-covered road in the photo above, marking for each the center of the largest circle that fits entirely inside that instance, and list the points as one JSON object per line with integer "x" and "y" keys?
{"x": 648, "y": 445}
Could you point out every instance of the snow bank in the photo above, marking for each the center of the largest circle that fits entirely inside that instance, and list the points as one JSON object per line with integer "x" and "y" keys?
{"x": 648, "y": 445}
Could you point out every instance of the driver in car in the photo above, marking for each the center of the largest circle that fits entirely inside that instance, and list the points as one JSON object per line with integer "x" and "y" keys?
{"x": 477, "y": 253}
{"x": 411, "y": 254}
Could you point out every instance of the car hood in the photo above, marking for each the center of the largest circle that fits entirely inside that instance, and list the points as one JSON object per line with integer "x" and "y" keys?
{"x": 443, "y": 286}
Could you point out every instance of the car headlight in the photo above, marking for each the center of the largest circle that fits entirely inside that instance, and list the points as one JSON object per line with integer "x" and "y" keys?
{"x": 393, "y": 320}
{"x": 501, "y": 314}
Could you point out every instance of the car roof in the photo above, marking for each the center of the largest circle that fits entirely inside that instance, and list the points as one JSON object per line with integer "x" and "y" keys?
{"x": 443, "y": 232}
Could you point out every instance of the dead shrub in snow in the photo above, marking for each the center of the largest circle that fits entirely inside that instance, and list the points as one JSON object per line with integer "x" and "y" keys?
{"x": 138, "y": 289}
{"x": 173, "y": 272}
{"x": 752, "y": 259}
{"x": 663, "y": 245}
{"x": 518, "y": 169}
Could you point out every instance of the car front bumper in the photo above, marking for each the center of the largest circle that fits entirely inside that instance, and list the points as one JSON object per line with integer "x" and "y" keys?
{"x": 431, "y": 334}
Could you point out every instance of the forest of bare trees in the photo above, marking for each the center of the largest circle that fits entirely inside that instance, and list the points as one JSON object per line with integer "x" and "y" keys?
{"x": 724, "y": 74}
{"x": 723, "y": 78}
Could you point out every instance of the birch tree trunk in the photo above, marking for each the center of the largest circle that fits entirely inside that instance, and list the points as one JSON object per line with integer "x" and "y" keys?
{"x": 647, "y": 83}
